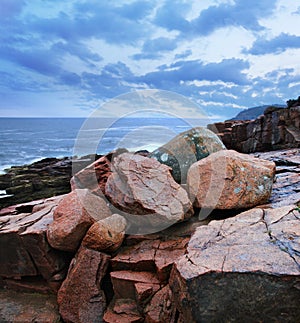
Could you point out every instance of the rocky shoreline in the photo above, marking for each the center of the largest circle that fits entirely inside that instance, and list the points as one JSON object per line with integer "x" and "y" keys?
{"x": 213, "y": 237}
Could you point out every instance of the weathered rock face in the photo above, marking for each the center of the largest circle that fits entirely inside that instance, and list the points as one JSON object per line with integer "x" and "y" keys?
{"x": 74, "y": 215}
{"x": 185, "y": 149}
{"x": 145, "y": 189}
{"x": 239, "y": 269}
{"x": 230, "y": 180}
{"x": 24, "y": 249}
{"x": 245, "y": 268}
{"x": 277, "y": 129}
{"x": 140, "y": 275}
{"x": 80, "y": 297}
{"x": 107, "y": 234}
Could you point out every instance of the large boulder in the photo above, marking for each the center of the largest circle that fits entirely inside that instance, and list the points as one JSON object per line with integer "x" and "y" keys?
{"x": 230, "y": 180}
{"x": 106, "y": 235}
{"x": 145, "y": 189}
{"x": 80, "y": 298}
{"x": 72, "y": 218}
{"x": 242, "y": 269}
{"x": 185, "y": 149}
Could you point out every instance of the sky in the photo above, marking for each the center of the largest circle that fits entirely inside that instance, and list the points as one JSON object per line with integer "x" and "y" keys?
{"x": 67, "y": 58}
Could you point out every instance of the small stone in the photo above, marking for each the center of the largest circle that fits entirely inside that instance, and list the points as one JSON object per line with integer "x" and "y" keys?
{"x": 76, "y": 212}
{"x": 107, "y": 234}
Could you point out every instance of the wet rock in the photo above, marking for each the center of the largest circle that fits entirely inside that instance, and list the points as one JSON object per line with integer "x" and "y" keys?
{"x": 245, "y": 268}
{"x": 42, "y": 179}
{"x": 28, "y": 307}
{"x": 80, "y": 297}
{"x": 107, "y": 234}
{"x": 72, "y": 218}
{"x": 24, "y": 247}
{"x": 230, "y": 180}
{"x": 145, "y": 189}
{"x": 185, "y": 149}
{"x": 286, "y": 189}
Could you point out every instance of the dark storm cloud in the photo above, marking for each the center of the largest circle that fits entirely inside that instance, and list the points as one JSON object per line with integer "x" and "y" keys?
{"x": 275, "y": 45}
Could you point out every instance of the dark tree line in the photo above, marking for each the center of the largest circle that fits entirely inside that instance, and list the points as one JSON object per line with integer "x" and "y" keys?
{"x": 293, "y": 103}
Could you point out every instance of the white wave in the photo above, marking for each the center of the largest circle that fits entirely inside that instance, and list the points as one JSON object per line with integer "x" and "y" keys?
{"x": 149, "y": 147}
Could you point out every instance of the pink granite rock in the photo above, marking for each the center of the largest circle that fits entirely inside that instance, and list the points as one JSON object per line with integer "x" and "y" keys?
{"x": 73, "y": 217}
{"x": 145, "y": 189}
{"x": 230, "y": 180}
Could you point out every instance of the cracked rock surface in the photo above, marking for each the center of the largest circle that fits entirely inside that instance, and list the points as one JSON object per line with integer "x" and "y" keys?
{"x": 242, "y": 268}
{"x": 146, "y": 190}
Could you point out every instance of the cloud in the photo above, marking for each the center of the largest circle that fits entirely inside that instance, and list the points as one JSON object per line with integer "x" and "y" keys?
{"x": 96, "y": 19}
{"x": 153, "y": 48}
{"x": 10, "y": 8}
{"x": 241, "y": 13}
{"x": 184, "y": 54}
{"x": 228, "y": 70}
{"x": 275, "y": 45}
{"x": 76, "y": 49}
{"x": 171, "y": 16}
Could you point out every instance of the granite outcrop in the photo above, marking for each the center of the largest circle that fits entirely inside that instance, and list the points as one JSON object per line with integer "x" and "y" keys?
{"x": 276, "y": 129}
{"x": 234, "y": 265}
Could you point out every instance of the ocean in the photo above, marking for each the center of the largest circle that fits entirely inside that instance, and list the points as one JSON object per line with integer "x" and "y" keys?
{"x": 26, "y": 140}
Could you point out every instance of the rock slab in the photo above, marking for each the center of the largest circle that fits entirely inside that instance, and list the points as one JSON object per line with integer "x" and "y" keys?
{"x": 230, "y": 180}
{"x": 80, "y": 297}
{"x": 24, "y": 249}
{"x": 242, "y": 269}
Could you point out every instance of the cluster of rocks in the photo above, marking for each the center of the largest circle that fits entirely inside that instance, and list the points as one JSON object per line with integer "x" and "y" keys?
{"x": 130, "y": 244}
{"x": 45, "y": 178}
{"x": 276, "y": 129}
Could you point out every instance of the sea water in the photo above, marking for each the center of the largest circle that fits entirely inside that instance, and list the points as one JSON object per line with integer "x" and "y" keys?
{"x": 25, "y": 140}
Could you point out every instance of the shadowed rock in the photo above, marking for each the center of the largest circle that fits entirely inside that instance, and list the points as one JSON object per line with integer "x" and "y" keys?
{"x": 80, "y": 297}
{"x": 242, "y": 269}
